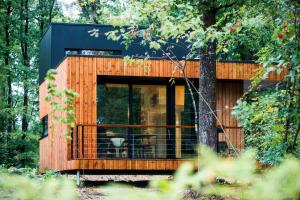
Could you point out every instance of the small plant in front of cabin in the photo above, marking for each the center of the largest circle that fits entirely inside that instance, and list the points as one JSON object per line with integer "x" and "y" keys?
{"x": 58, "y": 106}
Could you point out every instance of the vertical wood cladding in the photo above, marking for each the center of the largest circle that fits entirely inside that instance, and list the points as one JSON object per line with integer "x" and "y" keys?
{"x": 80, "y": 75}
{"x": 54, "y": 147}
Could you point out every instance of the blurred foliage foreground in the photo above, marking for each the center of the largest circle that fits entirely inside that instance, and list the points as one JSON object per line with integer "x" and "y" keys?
{"x": 26, "y": 184}
{"x": 237, "y": 178}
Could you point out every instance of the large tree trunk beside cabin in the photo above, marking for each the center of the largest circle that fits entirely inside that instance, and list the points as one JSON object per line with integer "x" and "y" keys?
{"x": 207, "y": 87}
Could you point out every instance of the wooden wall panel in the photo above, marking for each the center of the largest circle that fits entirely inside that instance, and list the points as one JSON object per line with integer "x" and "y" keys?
{"x": 80, "y": 75}
{"x": 166, "y": 68}
{"x": 228, "y": 92}
{"x": 44, "y": 106}
{"x": 54, "y": 147}
{"x": 44, "y": 155}
{"x": 85, "y": 84}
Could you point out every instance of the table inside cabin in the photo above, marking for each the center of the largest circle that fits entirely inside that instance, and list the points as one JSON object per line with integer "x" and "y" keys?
{"x": 139, "y": 142}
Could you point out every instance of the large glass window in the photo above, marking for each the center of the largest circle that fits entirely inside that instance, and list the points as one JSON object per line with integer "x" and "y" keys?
{"x": 112, "y": 104}
{"x": 184, "y": 115}
{"x": 112, "y": 108}
{"x": 135, "y": 105}
{"x": 149, "y": 108}
{"x": 144, "y": 108}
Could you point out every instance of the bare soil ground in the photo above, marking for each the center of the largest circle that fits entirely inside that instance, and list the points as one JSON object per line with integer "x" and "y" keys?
{"x": 94, "y": 193}
{"x": 91, "y": 183}
{"x": 90, "y": 193}
{"x": 91, "y": 189}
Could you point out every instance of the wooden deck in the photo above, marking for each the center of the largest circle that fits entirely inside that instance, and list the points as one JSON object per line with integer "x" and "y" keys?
{"x": 123, "y": 164}
{"x": 80, "y": 74}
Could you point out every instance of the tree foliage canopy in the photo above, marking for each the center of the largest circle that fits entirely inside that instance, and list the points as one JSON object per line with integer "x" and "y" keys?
{"x": 266, "y": 32}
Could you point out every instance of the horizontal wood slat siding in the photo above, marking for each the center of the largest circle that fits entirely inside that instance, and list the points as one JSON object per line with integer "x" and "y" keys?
{"x": 80, "y": 74}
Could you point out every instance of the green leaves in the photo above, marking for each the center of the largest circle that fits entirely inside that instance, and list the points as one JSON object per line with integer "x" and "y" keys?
{"x": 226, "y": 177}
{"x": 22, "y": 187}
{"x": 154, "y": 45}
{"x": 263, "y": 118}
{"x": 61, "y": 102}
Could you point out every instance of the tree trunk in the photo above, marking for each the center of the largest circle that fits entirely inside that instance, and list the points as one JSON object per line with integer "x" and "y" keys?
{"x": 24, "y": 46}
{"x": 41, "y": 17}
{"x": 207, "y": 87}
{"x": 6, "y": 62}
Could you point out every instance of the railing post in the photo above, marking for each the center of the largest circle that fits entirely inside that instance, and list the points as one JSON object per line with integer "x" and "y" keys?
{"x": 156, "y": 140}
{"x": 82, "y": 139}
{"x": 77, "y": 145}
{"x": 72, "y": 141}
{"x": 133, "y": 156}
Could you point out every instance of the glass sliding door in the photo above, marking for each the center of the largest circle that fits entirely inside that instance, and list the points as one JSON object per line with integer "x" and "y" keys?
{"x": 186, "y": 138}
{"x": 112, "y": 108}
{"x": 134, "y": 118}
{"x": 148, "y": 107}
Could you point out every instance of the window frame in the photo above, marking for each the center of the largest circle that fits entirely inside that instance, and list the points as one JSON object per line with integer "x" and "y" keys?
{"x": 45, "y": 123}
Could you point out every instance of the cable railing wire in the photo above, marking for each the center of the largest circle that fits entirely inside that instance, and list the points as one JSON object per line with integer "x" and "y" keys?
{"x": 88, "y": 143}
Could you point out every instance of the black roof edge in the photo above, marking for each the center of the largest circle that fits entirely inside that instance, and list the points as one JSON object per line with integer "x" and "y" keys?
{"x": 238, "y": 61}
{"x": 157, "y": 58}
{"x": 80, "y": 24}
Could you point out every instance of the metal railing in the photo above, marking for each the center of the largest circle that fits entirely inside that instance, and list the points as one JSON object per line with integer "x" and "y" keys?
{"x": 121, "y": 141}
{"x": 118, "y": 141}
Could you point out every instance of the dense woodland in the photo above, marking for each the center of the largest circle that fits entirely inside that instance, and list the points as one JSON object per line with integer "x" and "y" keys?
{"x": 263, "y": 31}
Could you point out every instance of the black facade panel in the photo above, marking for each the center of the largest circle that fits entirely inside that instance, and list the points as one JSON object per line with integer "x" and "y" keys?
{"x": 61, "y": 37}
{"x": 45, "y": 55}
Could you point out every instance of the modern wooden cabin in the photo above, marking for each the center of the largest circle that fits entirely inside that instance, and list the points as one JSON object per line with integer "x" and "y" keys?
{"x": 129, "y": 117}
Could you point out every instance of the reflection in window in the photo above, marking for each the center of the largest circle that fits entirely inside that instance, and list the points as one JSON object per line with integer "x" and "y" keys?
{"x": 143, "y": 105}
{"x": 149, "y": 108}
{"x": 45, "y": 126}
{"x": 112, "y": 105}
{"x": 185, "y": 137}
{"x": 112, "y": 108}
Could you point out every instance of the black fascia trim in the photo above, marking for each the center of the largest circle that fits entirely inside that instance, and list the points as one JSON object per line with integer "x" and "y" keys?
{"x": 156, "y": 58}
{"x": 141, "y": 80}
{"x": 122, "y": 56}
{"x": 237, "y": 61}
{"x": 42, "y": 137}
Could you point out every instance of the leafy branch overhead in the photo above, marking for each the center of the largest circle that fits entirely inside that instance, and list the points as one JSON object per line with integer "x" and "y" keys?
{"x": 264, "y": 32}
{"x": 61, "y": 102}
